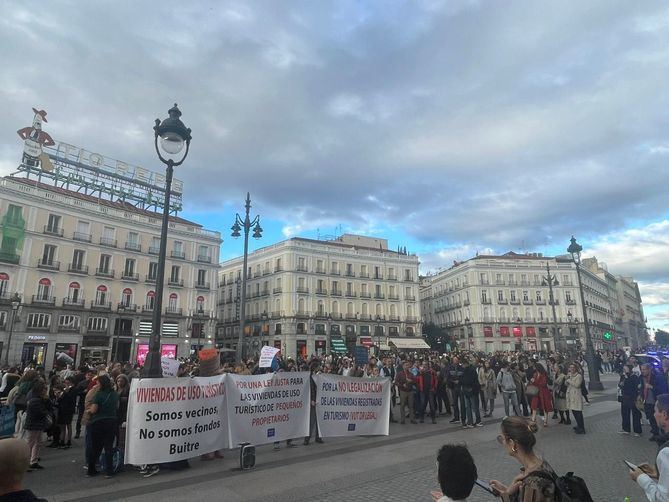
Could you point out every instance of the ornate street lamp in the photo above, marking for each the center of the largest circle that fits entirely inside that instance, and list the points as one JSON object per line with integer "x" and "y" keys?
{"x": 551, "y": 280}
{"x": 378, "y": 333}
{"x": 245, "y": 224}
{"x": 172, "y": 135}
{"x": 16, "y": 303}
{"x": 574, "y": 250}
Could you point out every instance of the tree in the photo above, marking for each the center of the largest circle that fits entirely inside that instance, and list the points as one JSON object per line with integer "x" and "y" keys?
{"x": 662, "y": 338}
{"x": 436, "y": 336}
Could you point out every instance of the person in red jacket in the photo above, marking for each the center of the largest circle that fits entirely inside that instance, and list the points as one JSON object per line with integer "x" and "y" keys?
{"x": 427, "y": 381}
{"x": 543, "y": 401}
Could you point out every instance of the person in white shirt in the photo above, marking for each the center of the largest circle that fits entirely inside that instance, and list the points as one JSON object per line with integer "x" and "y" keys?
{"x": 456, "y": 473}
{"x": 654, "y": 481}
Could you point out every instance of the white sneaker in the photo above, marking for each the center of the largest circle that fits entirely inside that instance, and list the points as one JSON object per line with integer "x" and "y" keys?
{"x": 636, "y": 435}
{"x": 623, "y": 432}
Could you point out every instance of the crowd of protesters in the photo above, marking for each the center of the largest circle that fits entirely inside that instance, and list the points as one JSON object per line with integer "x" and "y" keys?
{"x": 539, "y": 388}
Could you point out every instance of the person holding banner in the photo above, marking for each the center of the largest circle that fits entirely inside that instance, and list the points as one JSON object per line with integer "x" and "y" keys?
{"x": 313, "y": 426}
{"x": 103, "y": 422}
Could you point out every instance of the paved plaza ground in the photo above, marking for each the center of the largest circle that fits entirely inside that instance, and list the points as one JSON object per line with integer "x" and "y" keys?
{"x": 399, "y": 467}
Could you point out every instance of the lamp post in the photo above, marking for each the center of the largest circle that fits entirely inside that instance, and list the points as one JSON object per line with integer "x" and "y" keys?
{"x": 173, "y": 135}
{"x": 378, "y": 333}
{"x": 594, "y": 384}
{"x": 264, "y": 322}
{"x": 245, "y": 224}
{"x": 16, "y": 303}
{"x": 550, "y": 281}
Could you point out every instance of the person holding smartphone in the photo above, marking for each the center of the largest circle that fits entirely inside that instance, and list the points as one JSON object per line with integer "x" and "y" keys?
{"x": 654, "y": 481}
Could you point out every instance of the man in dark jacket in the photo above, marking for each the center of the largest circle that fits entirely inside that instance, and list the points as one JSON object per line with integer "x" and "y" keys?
{"x": 455, "y": 388}
{"x": 470, "y": 393}
{"x": 14, "y": 462}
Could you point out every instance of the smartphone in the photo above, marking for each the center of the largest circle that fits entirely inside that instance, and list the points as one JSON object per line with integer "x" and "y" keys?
{"x": 630, "y": 465}
{"x": 486, "y": 486}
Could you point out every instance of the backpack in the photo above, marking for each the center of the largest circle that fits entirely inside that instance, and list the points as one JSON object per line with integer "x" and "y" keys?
{"x": 569, "y": 488}
{"x": 117, "y": 461}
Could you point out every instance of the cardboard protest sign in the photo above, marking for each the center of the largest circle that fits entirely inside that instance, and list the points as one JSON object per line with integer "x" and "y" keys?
{"x": 268, "y": 408}
{"x": 173, "y": 419}
{"x": 350, "y": 406}
{"x": 267, "y": 355}
{"x": 170, "y": 367}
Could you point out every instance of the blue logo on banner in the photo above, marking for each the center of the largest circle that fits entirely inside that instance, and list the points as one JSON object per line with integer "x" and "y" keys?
{"x": 351, "y": 427}
{"x": 271, "y": 433}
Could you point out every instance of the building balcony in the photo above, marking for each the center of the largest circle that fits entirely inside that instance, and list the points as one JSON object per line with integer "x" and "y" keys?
{"x": 147, "y": 308}
{"x": 150, "y": 279}
{"x": 12, "y": 258}
{"x": 81, "y": 237}
{"x": 178, "y": 255}
{"x": 73, "y": 329}
{"x": 540, "y": 302}
{"x": 276, "y": 314}
{"x": 75, "y": 303}
{"x": 349, "y": 273}
{"x": 100, "y": 305}
{"x": 393, "y": 297}
{"x": 320, "y": 314}
{"x": 335, "y": 292}
{"x": 201, "y": 314}
{"x": 502, "y": 301}
{"x": 514, "y": 302}
{"x": 411, "y": 319}
{"x": 392, "y": 277}
{"x": 43, "y": 300}
{"x": 126, "y": 307}
{"x": 527, "y": 302}
{"x": 302, "y": 290}
{"x": 108, "y": 242}
{"x": 378, "y": 277}
{"x": 53, "y": 231}
{"x": 77, "y": 268}
{"x": 302, "y": 315}
{"x": 264, "y": 292}
{"x": 335, "y": 272}
{"x": 410, "y": 298}
{"x": 365, "y": 294}
{"x": 205, "y": 286}
{"x": 203, "y": 258}
{"x": 173, "y": 311}
{"x": 154, "y": 250}
{"x": 554, "y": 302}
{"x": 48, "y": 264}
{"x": 129, "y": 276}
{"x": 105, "y": 272}
{"x": 364, "y": 275}
{"x": 301, "y": 268}
{"x": 257, "y": 274}
{"x": 133, "y": 246}
{"x": 320, "y": 271}
{"x": 393, "y": 318}
{"x": 321, "y": 291}
{"x": 175, "y": 283}
{"x": 351, "y": 317}
{"x": 278, "y": 269}
{"x": 570, "y": 302}
{"x": 336, "y": 316}
{"x": 486, "y": 301}
{"x": 351, "y": 294}
{"x": 96, "y": 329}
{"x": 409, "y": 279}
{"x": 465, "y": 303}
{"x": 379, "y": 296}
{"x": 277, "y": 290}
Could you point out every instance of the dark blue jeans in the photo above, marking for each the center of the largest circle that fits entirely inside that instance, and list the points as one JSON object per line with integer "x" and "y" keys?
{"x": 636, "y": 418}
{"x": 472, "y": 408}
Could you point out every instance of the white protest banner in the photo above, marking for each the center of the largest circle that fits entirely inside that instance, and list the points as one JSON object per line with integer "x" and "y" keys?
{"x": 267, "y": 408}
{"x": 350, "y": 406}
{"x": 170, "y": 367}
{"x": 175, "y": 418}
{"x": 267, "y": 355}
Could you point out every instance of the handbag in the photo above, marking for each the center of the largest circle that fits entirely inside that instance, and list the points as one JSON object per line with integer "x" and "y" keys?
{"x": 639, "y": 403}
{"x": 48, "y": 422}
{"x": 531, "y": 390}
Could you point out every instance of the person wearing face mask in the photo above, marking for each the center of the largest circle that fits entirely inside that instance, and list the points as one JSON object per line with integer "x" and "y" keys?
{"x": 535, "y": 481}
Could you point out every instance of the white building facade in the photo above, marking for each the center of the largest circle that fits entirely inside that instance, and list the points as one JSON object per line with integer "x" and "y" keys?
{"x": 85, "y": 270}
{"x": 309, "y": 296}
{"x": 491, "y": 303}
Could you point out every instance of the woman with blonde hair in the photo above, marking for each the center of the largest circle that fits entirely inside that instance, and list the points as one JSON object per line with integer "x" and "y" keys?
{"x": 535, "y": 481}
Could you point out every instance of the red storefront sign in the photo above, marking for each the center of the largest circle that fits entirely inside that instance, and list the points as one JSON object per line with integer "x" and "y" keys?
{"x": 504, "y": 331}
{"x": 530, "y": 331}
{"x": 517, "y": 331}
{"x": 487, "y": 331}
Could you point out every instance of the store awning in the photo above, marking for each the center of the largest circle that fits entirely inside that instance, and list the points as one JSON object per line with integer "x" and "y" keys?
{"x": 366, "y": 341}
{"x": 409, "y": 343}
{"x": 338, "y": 345}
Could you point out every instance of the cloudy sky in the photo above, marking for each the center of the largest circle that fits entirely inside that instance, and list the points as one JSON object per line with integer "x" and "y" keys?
{"x": 449, "y": 127}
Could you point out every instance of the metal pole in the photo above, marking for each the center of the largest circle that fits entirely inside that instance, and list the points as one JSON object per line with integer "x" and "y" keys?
{"x": 551, "y": 279}
{"x": 154, "y": 369}
{"x": 241, "y": 347}
{"x": 594, "y": 383}
{"x": 9, "y": 338}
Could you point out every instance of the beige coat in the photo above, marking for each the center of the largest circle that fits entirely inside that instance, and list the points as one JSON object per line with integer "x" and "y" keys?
{"x": 574, "y": 396}
{"x": 87, "y": 405}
